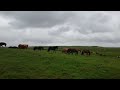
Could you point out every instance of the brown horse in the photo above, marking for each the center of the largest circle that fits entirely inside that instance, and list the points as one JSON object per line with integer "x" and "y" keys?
{"x": 22, "y": 46}
{"x": 65, "y": 50}
{"x": 86, "y": 51}
{"x": 78, "y": 50}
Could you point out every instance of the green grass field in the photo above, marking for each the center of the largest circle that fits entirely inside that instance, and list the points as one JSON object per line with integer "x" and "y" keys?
{"x": 29, "y": 64}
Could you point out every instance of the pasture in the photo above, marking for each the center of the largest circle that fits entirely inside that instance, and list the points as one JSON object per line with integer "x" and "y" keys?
{"x": 30, "y": 64}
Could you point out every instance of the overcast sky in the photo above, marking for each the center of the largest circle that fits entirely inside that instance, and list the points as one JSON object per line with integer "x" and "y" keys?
{"x": 77, "y": 28}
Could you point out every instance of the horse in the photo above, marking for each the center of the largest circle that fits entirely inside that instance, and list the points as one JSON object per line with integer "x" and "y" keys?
{"x": 22, "y": 46}
{"x": 86, "y": 51}
{"x": 65, "y": 50}
{"x": 78, "y": 50}
{"x": 72, "y": 50}
{"x": 13, "y": 47}
{"x": 38, "y": 48}
{"x": 3, "y": 43}
{"x": 52, "y": 48}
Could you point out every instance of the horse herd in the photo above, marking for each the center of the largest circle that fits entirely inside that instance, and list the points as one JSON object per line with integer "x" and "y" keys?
{"x": 51, "y": 48}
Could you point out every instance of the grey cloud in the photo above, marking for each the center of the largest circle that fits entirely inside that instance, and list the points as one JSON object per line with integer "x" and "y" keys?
{"x": 33, "y": 19}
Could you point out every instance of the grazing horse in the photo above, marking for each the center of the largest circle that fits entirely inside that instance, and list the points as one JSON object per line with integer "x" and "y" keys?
{"x": 12, "y": 47}
{"x": 86, "y": 51}
{"x": 52, "y": 48}
{"x": 38, "y": 48}
{"x": 78, "y": 50}
{"x": 2, "y": 43}
{"x": 71, "y": 50}
{"x": 65, "y": 50}
{"x": 22, "y": 46}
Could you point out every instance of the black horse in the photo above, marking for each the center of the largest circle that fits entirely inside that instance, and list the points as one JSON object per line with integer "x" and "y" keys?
{"x": 3, "y": 43}
{"x": 14, "y": 47}
{"x": 38, "y": 48}
{"x": 71, "y": 50}
{"x": 86, "y": 51}
{"x": 52, "y": 48}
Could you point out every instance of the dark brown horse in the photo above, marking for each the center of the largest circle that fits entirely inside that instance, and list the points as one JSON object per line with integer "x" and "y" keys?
{"x": 86, "y": 51}
{"x": 72, "y": 51}
{"x": 54, "y": 48}
{"x": 2, "y": 43}
{"x": 38, "y": 48}
{"x": 22, "y": 46}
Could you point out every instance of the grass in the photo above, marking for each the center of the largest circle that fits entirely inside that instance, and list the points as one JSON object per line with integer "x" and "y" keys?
{"x": 29, "y": 64}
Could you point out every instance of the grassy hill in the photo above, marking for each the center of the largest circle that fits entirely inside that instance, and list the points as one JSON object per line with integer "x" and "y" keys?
{"x": 29, "y": 64}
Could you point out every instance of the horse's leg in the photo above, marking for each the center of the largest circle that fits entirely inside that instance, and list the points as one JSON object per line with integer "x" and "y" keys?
{"x": 69, "y": 52}
{"x": 55, "y": 49}
{"x": 72, "y": 52}
{"x": 48, "y": 50}
{"x": 77, "y": 53}
{"x": 88, "y": 54}
{"x": 82, "y": 53}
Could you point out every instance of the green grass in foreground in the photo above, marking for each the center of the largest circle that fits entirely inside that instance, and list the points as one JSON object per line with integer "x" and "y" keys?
{"x": 29, "y": 64}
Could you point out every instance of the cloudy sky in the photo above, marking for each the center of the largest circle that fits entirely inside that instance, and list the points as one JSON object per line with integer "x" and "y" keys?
{"x": 68, "y": 28}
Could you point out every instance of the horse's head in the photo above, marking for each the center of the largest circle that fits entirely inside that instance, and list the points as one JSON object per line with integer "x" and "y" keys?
{"x": 56, "y": 47}
{"x": 78, "y": 50}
